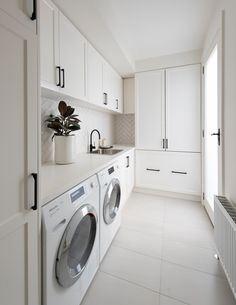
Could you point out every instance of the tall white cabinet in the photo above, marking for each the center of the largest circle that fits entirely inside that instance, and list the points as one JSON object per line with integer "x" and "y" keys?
{"x": 168, "y": 130}
{"x": 18, "y": 214}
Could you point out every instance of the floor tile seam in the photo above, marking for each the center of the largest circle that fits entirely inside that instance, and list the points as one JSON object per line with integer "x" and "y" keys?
{"x": 223, "y": 278}
{"x": 175, "y": 299}
{"x": 187, "y": 243}
{"x": 189, "y": 227}
{"x": 140, "y": 231}
{"x": 137, "y": 252}
{"x": 130, "y": 282}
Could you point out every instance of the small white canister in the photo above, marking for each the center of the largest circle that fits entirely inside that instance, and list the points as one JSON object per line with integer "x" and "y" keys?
{"x": 64, "y": 149}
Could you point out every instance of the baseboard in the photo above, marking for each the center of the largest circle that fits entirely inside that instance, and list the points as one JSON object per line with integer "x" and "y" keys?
{"x": 167, "y": 194}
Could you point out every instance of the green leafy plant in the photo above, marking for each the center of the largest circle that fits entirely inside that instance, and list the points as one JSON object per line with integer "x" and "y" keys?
{"x": 66, "y": 122}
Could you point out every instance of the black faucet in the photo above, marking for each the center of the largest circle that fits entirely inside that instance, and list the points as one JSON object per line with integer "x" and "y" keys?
{"x": 91, "y": 146}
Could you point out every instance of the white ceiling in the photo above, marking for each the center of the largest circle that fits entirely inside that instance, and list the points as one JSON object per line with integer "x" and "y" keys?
{"x": 125, "y": 31}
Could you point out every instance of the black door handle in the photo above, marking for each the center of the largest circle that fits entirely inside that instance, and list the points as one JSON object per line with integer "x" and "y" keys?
{"x": 35, "y": 206}
{"x": 127, "y": 159}
{"x": 153, "y": 170}
{"x": 34, "y": 14}
{"x": 218, "y": 135}
{"x": 63, "y": 78}
{"x": 59, "y": 76}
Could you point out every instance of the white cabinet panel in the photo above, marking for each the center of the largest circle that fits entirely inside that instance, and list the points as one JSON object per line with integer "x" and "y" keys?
{"x": 95, "y": 60}
{"x": 150, "y": 130}
{"x": 49, "y": 45}
{"x": 183, "y": 108}
{"x": 169, "y": 171}
{"x": 18, "y": 223}
{"x": 129, "y": 96}
{"x": 72, "y": 59}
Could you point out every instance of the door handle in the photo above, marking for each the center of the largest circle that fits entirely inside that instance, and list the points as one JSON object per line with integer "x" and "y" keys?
{"x": 59, "y": 76}
{"x": 117, "y": 103}
{"x": 34, "y": 14}
{"x": 35, "y": 206}
{"x": 105, "y": 98}
{"x": 127, "y": 163}
{"x": 218, "y": 135}
{"x": 153, "y": 170}
{"x": 63, "y": 78}
{"x": 177, "y": 172}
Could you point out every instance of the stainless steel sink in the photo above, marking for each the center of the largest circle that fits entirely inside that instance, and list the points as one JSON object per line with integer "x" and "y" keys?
{"x": 106, "y": 151}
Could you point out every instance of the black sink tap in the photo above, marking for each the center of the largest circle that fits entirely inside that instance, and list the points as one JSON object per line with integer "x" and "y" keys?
{"x": 91, "y": 146}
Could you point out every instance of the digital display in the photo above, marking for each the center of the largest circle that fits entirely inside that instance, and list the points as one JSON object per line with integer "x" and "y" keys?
{"x": 77, "y": 194}
{"x": 111, "y": 170}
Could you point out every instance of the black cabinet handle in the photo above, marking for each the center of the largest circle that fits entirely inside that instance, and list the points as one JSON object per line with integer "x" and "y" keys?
{"x": 218, "y": 135}
{"x": 153, "y": 170}
{"x": 176, "y": 172}
{"x": 163, "y": 143}
{"x": 59, "y": 76}
{"x": 34, "y": 13}
{"x": 127, "y": 158}
{"x": 63, "y": 78}
{"x": 104, "y": 98}
{"x": 35, "y": 206}
{"x": 166, "y": 144}
{"x": 117, "y": 103}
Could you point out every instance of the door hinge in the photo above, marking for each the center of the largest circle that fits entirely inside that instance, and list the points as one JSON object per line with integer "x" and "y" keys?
{"x": 203, "y": 196}
{"x": 203, "y": 70}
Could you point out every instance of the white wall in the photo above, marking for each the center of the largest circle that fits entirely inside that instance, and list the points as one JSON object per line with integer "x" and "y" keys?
{"x": 90, "y": 118}
{"x": 229, "y": 92}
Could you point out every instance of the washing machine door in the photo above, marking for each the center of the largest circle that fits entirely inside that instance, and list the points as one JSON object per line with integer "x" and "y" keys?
{"x": 111, "y": 201}
{"x": 76, "y": 245}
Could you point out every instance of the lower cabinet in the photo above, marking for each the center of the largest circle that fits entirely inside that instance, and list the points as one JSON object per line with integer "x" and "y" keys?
{"x": 169, "y": 171}
{"x": 126, "y": 164}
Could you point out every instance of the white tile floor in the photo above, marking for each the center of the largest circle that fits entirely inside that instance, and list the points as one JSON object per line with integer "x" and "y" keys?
{"x": 163, "y": 254}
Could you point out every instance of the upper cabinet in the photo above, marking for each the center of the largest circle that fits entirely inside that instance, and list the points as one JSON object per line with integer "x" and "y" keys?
{"x": 72, "y": 59}
{"x": 62, "y": 53}
{"x": 129, "y": 96}
{"x": 71, "y": 66}
{"x": 150, "y": 94}
{"x": 183, "y": 108}
{"x": 168, "y": 109}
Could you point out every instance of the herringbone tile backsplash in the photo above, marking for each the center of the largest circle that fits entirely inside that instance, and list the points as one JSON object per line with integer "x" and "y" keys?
{"x": 125, "y": 129}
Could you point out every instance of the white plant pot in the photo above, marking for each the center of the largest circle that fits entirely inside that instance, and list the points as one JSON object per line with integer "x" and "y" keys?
{"x": 64, "y": 149}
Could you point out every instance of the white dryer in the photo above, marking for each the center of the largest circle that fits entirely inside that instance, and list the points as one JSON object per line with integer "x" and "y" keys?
{"x": 70, "y": 244}
{"x": 110, "y": 212}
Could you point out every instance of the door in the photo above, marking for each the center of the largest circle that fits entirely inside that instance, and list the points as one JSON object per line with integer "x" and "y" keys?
{"x": 49, "y": 45}
{"x": 94, "y": 77}
{"x": 212, "y": 143}
{"x": 72, "y": 59}
{"x": 183, "y": 109}
{"x": 18, "y": 221}
{"x": 79, "y": 238}
{"x": 150, "y": 107}
{"x": 111, "y": 202}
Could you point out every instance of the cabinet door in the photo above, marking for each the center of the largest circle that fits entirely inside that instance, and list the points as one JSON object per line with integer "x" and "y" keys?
{"x": 107, "y": 86}
{"x": 183, "y": 108}
{"x": 20, "y": 10}
{"x": 129, "y": 100}
{"x": 72, "y": 59}
{"x": 49, "y": 45}
{"x": 150, "y": 128}
{"x": 18, "y": 222}
{"x": 118, "y": 92}
{"x": 95, "y": 95}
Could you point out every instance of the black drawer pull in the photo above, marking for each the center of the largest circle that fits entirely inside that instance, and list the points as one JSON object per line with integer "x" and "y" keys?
{"x": 176, "y": 172}
{"x": 35, "y": 206}
{"x": 59, "y": 76}
{"x": 153, "y": 170}
{"x": 105, "y": 98}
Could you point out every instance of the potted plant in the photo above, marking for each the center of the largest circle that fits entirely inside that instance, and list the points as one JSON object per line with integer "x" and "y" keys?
{"x": 62, "y": 125}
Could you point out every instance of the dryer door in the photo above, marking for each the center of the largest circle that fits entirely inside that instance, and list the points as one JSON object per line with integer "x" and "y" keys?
{"x": 111, "y": 201}
{"x": 76, "y": 246}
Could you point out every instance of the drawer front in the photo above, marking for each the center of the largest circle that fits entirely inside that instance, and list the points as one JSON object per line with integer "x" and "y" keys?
{"x": 169, "y": 171}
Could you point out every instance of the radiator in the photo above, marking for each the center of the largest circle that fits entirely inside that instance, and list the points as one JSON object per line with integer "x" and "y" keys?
{"x": 225, "y": 237}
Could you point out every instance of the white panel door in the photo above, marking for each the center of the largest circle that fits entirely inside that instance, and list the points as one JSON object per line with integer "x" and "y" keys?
{"x": 118, "y": 92}
{"x": 49, "y": 45}
{"x": 95, "y": 95}
{"x": 108, "y": 86}
{"x": 18, "y": 222}
{"x": 150, "y": 107}
{"x": 72, "y": 59}
{"x": 183, "y": 108}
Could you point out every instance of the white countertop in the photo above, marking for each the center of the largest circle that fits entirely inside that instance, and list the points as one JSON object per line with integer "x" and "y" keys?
{"x": 57, "y": 179}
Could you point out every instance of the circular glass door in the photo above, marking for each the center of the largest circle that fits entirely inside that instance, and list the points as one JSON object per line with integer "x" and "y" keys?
{"x": 111, "y": 201}
{"x": 76, "y": 246}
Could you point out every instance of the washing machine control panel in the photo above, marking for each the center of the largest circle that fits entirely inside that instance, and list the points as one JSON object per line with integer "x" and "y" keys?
{"x": 77, "y": 194}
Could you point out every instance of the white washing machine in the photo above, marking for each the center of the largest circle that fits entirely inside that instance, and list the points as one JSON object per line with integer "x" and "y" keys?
{"x": 110, "y": 212}
{"x": 70, "y": 244}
